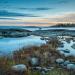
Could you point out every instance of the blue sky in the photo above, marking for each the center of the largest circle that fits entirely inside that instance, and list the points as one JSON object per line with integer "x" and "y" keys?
{"x": 36, "y": 12}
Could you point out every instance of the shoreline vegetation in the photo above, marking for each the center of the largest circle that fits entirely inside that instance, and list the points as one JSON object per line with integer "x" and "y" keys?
{"x": 64, "y": 25}
{"x": 43, "y": 57}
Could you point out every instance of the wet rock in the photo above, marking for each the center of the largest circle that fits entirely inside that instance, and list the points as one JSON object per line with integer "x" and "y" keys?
{"x": 66, "y": 62}
{"x": 59, "y": 61}
{"x": 36, "y": 68}
{"x": 61, "y": 45}
{"x": 44, "y": 71}
{"x": 66, "y": 51}
{"x": 63, "y": 65}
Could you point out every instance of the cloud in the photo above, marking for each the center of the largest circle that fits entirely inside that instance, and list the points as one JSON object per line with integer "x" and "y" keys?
{"x": 14, "y": 14}
{"x": 25, "y": 23}
{"x": 3, "y": 1}
{"x": 68, "y": 17}
{"x": 36, "y": 9}
{"x": 32, "y": 23}
{"x": 4, "y": 18}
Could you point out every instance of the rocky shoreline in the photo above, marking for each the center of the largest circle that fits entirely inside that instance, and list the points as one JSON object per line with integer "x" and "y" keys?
{"x": 15, "y": 33}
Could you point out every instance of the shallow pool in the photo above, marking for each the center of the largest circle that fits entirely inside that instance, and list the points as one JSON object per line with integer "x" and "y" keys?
{"x": 8, "y": 45}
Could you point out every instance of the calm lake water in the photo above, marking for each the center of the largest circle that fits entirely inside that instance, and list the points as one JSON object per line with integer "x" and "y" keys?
{"x": 8, "y": 45}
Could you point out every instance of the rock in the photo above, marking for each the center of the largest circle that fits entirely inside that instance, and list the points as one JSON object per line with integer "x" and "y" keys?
{"x": 36, "y": 68}
{"x": 66, "y": 62}
{"x": 46, "y": 69}
{"x": 63, "y": 65}
{"x": 39, "y": 68}
{"x": 61, "y": 45}
{"x": 43, "y": 71}
{"x": 66, "y": 51}
{"x": 59, "y": 60}
{"x": 70, "y": 66}
{"x": 19, "y": 67}
{"x": 34, "y": 61}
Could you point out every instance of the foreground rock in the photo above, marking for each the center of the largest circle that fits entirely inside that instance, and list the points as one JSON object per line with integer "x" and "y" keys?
{"x": 20, "y": 67}
{"x": 59, "y": 61}
{"x": 42, "y": 70}
{"x": 34, "y": 61}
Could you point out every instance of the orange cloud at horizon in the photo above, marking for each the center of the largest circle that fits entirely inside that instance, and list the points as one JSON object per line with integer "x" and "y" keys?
{"x": 65, "y": 18}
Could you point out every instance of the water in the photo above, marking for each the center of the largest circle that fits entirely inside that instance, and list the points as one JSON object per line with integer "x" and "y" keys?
{"x": 67, "y": 49}
{"x": 57, "y": 28}
{"x": 8, "y": 45}
{"x": 49, "y": 28}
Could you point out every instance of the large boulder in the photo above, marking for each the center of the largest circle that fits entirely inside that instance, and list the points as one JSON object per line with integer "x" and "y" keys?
{"x": 19, "y": 67}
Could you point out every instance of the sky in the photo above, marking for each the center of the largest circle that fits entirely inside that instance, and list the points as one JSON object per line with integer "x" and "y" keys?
{"x": 36, "y": 12}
